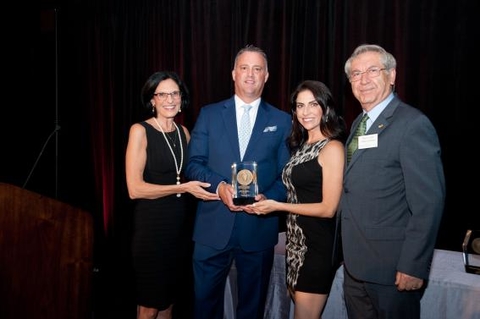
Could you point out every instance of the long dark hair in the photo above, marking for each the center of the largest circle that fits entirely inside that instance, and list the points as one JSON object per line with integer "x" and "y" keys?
{"x": 331, "y": 124}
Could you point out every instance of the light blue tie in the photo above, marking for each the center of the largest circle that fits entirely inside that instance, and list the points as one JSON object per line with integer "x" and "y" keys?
{"x": 353, "y": 145}
{"x": 245, "y": 130}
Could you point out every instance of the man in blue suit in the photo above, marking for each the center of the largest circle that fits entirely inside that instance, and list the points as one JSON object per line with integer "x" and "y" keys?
{"x": 224, "y": 232}
{"x": 393, "y": 195}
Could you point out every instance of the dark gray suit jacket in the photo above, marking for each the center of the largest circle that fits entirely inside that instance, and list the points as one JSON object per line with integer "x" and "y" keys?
{"x": 393, "y": 198}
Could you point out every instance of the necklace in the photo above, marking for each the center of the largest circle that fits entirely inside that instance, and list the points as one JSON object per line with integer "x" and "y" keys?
{"x": 177, "y": 168}
{"x": 173, "y": 140}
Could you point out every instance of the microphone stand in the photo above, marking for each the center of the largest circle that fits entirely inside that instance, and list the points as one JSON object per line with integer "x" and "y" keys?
{"x": 57, "y": 127}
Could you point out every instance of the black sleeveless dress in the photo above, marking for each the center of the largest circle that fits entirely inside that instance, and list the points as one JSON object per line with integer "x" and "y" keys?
{"x": 309, "y": 240}
{"x": 160, "y": 232}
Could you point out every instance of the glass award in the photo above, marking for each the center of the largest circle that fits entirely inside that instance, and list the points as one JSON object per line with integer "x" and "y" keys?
{"x": 244, "y": 182}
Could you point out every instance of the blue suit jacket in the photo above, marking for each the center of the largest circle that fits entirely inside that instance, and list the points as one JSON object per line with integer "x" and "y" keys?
{"x": 212, "y": 150}
{"x": 393, "y": 198}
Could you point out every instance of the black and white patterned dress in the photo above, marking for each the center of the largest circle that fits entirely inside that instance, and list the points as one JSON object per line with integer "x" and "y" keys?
{"x": 310, "y": 240}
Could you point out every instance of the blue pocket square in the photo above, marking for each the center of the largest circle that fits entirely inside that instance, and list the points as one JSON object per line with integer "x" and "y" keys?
{"x": 270, "y": 129}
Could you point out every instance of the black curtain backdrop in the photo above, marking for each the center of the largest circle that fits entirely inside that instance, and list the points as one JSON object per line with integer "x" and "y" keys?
{"x": 80, "y": 64}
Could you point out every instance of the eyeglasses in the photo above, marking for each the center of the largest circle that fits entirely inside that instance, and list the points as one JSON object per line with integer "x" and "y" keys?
{"x": 371, "y": 73}
{"x": 163, "y": 95}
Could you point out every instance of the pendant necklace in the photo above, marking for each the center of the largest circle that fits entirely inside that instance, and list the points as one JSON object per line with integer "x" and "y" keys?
{"x": 173, "y": 140}
{"x": 177, "y": 168}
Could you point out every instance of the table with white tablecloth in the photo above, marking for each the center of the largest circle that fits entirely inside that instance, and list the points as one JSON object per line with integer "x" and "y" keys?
{"x": 451, "y": 293}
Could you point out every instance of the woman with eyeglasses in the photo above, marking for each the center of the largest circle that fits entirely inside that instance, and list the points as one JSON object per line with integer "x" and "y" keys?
{"x": 155, "y": 159}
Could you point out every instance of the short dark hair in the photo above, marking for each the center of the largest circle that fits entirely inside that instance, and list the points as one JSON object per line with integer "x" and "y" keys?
{"x": 152, "y": 82}
{"x": 251, "y": 48}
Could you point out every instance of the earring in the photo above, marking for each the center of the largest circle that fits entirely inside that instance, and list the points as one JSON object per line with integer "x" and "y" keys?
{"x": 179, "y": 110}
{"x": 153, "y": 108}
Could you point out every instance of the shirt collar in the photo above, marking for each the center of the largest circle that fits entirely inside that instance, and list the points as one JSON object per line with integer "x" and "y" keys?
{"x": 239, "y": 102}
{"x": 375, "y": 112}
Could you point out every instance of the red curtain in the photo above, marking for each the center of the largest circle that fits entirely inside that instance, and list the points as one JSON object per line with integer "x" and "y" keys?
{"x": 105, "y": 50}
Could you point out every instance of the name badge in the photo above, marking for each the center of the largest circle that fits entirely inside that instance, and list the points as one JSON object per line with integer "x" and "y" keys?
{"x": 367, "y": 141}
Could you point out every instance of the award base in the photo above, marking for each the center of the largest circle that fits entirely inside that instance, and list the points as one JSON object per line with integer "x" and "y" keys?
{"x": 240, "y": 201}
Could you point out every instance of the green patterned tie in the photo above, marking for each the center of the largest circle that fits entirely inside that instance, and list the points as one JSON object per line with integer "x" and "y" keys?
{"x": 361, "y": 128}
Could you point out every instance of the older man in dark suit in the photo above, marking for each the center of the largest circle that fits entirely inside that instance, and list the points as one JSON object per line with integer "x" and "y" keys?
{"x": 393, "y": 196}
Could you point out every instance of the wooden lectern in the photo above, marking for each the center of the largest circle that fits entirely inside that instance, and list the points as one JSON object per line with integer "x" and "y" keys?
{"x": 46, "y": 257}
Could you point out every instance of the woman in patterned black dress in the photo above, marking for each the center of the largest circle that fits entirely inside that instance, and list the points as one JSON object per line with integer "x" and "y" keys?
{"x": 154, "y": 163}
{"x": 313, "y": 178}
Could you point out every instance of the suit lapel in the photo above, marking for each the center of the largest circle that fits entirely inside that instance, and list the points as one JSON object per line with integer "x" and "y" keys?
{"x": 377, "y": 127}
{"x": 229, "y": 121}
{"x": 384, "y": 118}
